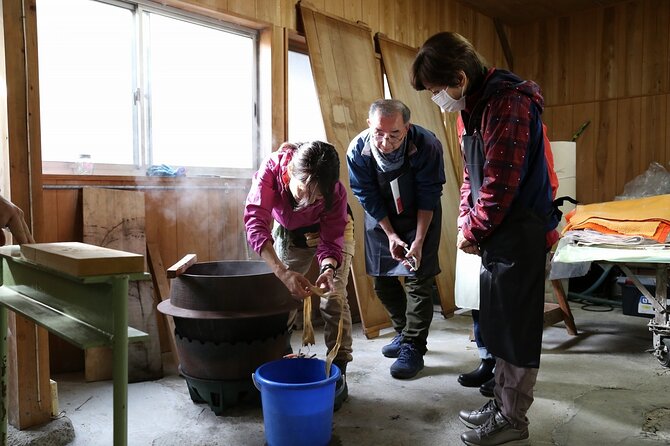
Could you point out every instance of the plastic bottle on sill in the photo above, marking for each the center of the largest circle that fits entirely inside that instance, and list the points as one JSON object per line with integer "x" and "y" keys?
{"x": 84, "y": 165}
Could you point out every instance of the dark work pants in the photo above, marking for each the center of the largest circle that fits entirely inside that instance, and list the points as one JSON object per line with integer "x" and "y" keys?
{"x": 410, "y": 306}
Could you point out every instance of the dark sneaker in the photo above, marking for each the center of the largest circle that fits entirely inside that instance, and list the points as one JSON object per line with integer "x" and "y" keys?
{"x": 475, "y": 418}
{"x": 392, "y": 350}
{"x": 495, "y": 431}
{"x": 409, "y": 362}
{"x": 341, "y": 392}
{"x": 478, "y": 376}
{"x": 488, "y": 387}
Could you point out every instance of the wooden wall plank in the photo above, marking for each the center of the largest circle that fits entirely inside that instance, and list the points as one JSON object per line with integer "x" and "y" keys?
{"x": 50, "y": 233}
{"x": 608, "y": 34}
{"x": 630, "y": 26}
{"x": 242, "y": 7}
{"x": 387, "y": 19}
{"x": 560, "y": 124}
{"x": 627, "y": 132}
{"x": 69, "y": 218}
{"x": 529, "y": 61}
{"x": 465, "y": 21}
{"x": 370, "y": 13}
{"x": 162, "y": 218}
{"x": 235, "y": 213}
{"x": 191, "y": 236}
{"x": 334, "y": 7}
{"x": 267, "y": 10}
{"x": 655, "y": 47}
{"x": 581, "y": 74}
{"x": 217, "y": 231}
{"x": 586, "y": 149}
{"x": 353, "y": 10}
{"x": 541, "y": 57}
{"x": 605, "y": 151}
{"x": 486, "y": 39}
{"x": 404, "y": 26}
{"x": 231, "y": 223}
{"x": 653, "y": 131}
{"x": 563, "y": 61}
{"x": 428, "y": 22}
{"x": 445, "y": 12}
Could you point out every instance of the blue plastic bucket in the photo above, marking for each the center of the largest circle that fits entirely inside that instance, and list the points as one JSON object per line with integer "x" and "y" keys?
{"x": 297, "y": 401}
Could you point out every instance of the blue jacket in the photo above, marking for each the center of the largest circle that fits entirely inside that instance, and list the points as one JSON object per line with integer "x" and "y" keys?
{"x": 426, "y": 161}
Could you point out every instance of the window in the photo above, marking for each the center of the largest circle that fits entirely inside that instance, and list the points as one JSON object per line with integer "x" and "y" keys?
{"x": 134, "y": 85}
{"x": 305, "y": 122}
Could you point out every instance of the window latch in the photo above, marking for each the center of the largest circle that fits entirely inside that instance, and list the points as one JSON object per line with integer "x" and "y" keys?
{"x": 136, "y": 96}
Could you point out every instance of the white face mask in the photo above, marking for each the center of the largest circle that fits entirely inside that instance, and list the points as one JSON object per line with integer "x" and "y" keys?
{"x": 447, "y": 103}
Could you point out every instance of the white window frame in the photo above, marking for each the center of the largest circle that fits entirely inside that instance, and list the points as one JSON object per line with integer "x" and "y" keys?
{"x": 141, "y": 111}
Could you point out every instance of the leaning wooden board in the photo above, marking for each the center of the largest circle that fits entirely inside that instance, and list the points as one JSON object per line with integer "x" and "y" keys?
{"x": 115, "y": 219}
{"x": 81, "y": 259}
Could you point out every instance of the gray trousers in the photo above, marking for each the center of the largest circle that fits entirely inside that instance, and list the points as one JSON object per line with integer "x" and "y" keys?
{"x": 299, "y": 260}
{"x": 514, "y": 391}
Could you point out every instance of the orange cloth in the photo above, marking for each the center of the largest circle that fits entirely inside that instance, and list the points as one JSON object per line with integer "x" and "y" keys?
{"x": 647, "y": 217}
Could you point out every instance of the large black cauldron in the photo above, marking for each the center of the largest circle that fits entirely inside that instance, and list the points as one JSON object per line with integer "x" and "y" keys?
{"x": 230, "y": 317}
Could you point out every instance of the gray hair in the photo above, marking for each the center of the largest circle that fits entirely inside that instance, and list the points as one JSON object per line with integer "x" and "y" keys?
{"x": 389, "y": 107}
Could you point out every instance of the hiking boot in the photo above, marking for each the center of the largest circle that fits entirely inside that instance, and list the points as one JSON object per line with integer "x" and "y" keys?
{"x": 392, "y": 349}
{"x": 487, "y": 388}
{"x": 475, "y": 418}
{"x": 341, "y": 388}
{"x": 409, "y": 362}
{"x": 478, "y": 376}
{"x": 495, "y": 431}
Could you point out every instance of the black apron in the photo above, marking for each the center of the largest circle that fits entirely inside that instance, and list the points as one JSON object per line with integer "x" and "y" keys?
{"x": 378, "y": 260}
{"x": 511, "y": 307}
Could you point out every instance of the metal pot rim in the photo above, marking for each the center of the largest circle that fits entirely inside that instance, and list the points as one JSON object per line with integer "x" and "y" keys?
{"x": 166, "y": 307}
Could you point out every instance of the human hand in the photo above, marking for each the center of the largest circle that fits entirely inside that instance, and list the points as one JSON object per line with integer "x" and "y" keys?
{"x": 326, "y": 280}
{"x": 397, "y": 247}
{"x": 11, "y": 217}
{"x": 297, "y": 284}
{"x": 466, "y": 245}
{"x": 413, "y": 253}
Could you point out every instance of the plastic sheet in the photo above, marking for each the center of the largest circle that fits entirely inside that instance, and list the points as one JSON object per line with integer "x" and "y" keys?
{"x": 654, "y": 181}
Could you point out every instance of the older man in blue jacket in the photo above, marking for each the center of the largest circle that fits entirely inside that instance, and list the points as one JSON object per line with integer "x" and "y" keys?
{"x": 396, "y": 171}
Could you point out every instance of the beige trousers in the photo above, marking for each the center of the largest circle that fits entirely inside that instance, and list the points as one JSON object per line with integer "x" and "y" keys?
{"x": 299, "y": 260}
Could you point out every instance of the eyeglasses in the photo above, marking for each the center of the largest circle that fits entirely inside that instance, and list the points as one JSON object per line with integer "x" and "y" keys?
{"x": 381, "y": 136}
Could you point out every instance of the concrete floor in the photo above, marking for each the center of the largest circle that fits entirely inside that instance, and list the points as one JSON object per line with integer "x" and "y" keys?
{"x": 599, "y": 388}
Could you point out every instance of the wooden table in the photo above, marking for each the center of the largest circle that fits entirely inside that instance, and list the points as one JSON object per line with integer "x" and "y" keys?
{"x": 89, "y": 311}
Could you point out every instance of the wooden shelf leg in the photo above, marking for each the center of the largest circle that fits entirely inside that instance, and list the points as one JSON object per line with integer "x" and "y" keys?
{"x": 563, "y": 303}
{"x": 120, "y": 353}
{"x": 3, "y": 372}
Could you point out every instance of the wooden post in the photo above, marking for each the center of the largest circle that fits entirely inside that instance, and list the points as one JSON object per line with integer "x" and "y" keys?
{"x": 28, "y": 348}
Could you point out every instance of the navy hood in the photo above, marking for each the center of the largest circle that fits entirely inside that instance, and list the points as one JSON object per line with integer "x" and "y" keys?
{"x": 500, "y": 82}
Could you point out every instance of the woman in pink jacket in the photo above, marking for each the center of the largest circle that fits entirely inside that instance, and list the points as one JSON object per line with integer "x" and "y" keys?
{"x": 297, "y": 210}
